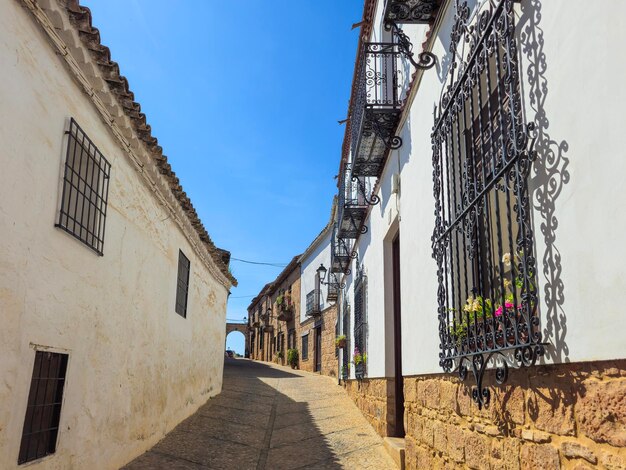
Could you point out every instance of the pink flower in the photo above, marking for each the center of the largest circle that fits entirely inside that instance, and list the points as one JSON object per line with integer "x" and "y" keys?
{"x": 507, "y": 305}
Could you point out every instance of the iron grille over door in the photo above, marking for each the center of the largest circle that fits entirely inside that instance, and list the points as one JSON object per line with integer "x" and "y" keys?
{"x": 43, "y": 412}
{"x": 85, "y": 190}
{"x": 483, "y": 241}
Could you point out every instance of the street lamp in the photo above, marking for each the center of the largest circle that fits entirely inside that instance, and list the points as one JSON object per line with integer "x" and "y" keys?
{"x": 321, "y": 272}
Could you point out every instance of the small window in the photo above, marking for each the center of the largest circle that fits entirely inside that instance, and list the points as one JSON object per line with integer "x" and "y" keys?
{"x": 182, "y": 287}
{"x": 305, "y": 347}
{"x": 43, "y": 412}
{"x": 85, "y": 190}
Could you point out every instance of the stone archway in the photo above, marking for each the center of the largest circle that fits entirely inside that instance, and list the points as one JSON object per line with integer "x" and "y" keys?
{"x": 242, "y": 328}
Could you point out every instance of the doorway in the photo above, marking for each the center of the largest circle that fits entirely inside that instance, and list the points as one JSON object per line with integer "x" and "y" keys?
{"x": 318, "y": 349}
{"x": 397, "y": 339}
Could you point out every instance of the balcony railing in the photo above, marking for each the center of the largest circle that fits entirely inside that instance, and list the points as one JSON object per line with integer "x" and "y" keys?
{"x": 285, "y": 311}
{"x": 333, "y": 288}
{"x": 313, "y": 303}
{"x": 411, "y": 11}
{"x": 355, "y": 196}
{"x": 382, "y": 81}
{"x": 341, "y": 255}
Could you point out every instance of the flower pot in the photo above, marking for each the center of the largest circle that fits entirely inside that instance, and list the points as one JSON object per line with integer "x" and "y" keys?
{"x": 341, "y": 343}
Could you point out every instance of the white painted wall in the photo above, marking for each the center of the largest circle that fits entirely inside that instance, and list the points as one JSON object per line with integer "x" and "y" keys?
{"x": 584, "y": 109}
{"x": 136, "y": 368}
{"x": 309, "y": 262}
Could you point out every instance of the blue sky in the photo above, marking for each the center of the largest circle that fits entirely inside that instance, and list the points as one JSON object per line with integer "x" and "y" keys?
{"x": 244, "y": 97}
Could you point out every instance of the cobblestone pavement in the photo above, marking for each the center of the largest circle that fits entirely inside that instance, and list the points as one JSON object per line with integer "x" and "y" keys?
{"x": 270, "y": 417}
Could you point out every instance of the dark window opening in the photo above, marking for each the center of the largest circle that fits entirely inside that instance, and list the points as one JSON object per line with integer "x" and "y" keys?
{"x": 43, "y": 412}
{"x": 305, "y": 347}
{"x": 182, "y": 284}
{"x": 85, "y": 190}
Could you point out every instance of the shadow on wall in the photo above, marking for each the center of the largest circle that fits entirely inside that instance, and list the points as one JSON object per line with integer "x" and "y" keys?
{"x": 248, "y": 425}
{"x": 549, "y": 175}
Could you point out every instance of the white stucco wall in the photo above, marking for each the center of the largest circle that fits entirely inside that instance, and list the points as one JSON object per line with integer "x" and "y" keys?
{"x": 136, "y": 368}
{"x": 309, "y": 262}
{"x": 580, "y": 257}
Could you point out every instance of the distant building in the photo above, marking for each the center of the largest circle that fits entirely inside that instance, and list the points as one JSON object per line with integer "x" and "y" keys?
{"x": 298, "y": 311}
{"x": 112, "y": 295}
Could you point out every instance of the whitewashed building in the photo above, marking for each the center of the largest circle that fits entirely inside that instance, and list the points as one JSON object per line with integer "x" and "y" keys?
{"x": 480, "y": 218}
{"x": 112, "y": 295}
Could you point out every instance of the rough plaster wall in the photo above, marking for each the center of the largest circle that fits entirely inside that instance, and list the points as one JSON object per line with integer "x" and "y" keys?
{"x": 136, "y": 367}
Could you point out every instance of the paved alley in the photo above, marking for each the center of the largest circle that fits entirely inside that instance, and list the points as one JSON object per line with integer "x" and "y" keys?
{"x": 270, "y": 417}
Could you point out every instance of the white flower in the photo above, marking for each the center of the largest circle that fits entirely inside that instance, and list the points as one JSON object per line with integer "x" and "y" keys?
{"x": 506, "y": 259}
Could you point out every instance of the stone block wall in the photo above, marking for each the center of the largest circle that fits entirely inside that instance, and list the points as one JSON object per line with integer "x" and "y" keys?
{"x": 375, "y": 399}
{"x": 329, "y": 360}
{"x": 329, "y": 351}
{"x": 568, "y": 416}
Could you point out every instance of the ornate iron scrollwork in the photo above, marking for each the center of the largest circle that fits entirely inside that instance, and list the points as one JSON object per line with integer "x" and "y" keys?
{"x": 411, "y": 11}
{"x": 426, "y": 60}
{"x": 483, "y": 241}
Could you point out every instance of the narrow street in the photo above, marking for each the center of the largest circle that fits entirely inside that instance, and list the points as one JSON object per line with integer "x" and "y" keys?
{"x": 271, "y": 417}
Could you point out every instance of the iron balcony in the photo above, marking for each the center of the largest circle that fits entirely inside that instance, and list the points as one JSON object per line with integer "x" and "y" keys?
{"x": 340, "y": 259}
{"x": 375, "y": 114}
{"x": 411, "y": 11}
{"x": 354, "y": 199}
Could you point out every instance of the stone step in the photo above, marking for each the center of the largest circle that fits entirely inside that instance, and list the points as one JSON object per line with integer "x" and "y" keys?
{"x": 395, "y": 448}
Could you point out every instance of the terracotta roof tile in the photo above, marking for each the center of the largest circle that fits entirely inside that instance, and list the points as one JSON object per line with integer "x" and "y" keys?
{"x": 81, "y": 18}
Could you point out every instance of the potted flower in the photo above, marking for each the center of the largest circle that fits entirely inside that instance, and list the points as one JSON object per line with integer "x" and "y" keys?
{"x": 340, "y": 342}
{"x": 292, "y": 358}
{"x": 359, "y": 364}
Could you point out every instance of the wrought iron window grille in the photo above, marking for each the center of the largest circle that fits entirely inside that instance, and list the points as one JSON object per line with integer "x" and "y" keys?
{"x": 43, "y": 412}
{"x": 182, "y": 284}
{"x": 360, "y": 320}
{"x": 313, "y": 303}
{"x": 483, "y": 241}
{"x": 85, "y": 190}
{"x": 346, "y": 331}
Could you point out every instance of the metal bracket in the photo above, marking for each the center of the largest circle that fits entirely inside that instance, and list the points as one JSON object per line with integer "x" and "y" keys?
{"x": 426, "y": 59}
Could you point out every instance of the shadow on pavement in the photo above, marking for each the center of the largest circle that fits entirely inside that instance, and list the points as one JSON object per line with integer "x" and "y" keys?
{"x": 250, "y": 425}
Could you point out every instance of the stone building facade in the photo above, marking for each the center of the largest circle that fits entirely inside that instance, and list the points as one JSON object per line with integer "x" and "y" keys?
{"x": 112, "y": 294}
{"x": 271, "y": 316}
{"x": 472, "y": 322}
{"x": 309, "y": 314}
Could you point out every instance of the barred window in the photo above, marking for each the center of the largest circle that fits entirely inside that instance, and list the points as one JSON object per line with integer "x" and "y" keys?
{"x": 182, "y": 284}
{"x": 360, "y": 314}
{"x": 305, "y": 347}
{"x": 483, "y": 241}
{"x": 313, "y": 302}
{"x": 85, "y": 190}
{"x": 43, "y": 412}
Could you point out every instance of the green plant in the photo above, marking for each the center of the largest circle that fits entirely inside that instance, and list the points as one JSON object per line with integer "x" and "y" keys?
{"x": 279, "y": 299}
{"x": 280, "y": 354}
{"x": 292, "y": 357}
{"x": 358, "y": 358}
{"x": 340, "y": 341}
